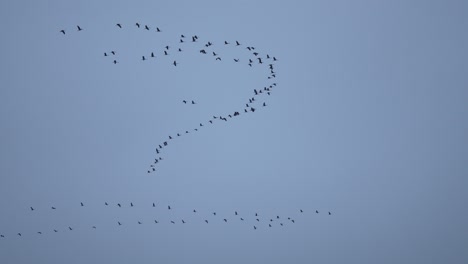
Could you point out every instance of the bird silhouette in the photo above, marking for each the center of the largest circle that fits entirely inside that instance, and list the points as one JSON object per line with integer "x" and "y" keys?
{"x": 146, "y": 27}
{"x": 79, "y": 28}
{"x": 206, "y": 221}
{"x": 63, "y": 31}
{"x": 255, "y": 227}
{"x": 143, "y": 58}
{"x": 131, "y": 204}
{"x": 183, "y": 222}
{"x": 82, "y": 204}
{"x": 175, "y": 63}
{"x": 32, "y": 209}
{"x": 137, "y": 24}
{"x": 55, "y": 230}
{"x": 70, "y": 228}
{"x": 169, "y": 207}
{"x": 301, "y": 211}
{"x": 152, "y": 55}
{"x": 154, "y": 205}
{"x": 225, "y": 42}
{"x": 139, "y": 222}
{"x": 53, "y": 208}
{"x": 237, "y": 43}
{"x": 157, "y": 29}
{"x": 120, "y": 26}
{"x": 173, "y": 222}
{"x": 193, "y": 102}
{"x": 119, "y": 223}
{"x": 329, "y": 213}
{"x": 316, "y": 211}
{"x": 155, "y": 221}
{"x": 19, "y": 234}
{"x": 119, "y": 205}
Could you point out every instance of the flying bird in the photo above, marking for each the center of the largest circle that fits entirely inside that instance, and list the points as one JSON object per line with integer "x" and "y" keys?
{"x": 175, "y": 63}
{"x": 157, "y": 29}
{"x": 146, "y": 27}
{"x": 63, "y": 31}
{"x": 79, "y": 28}
{"x": 137, "y": 24}
{"x": 120, "y": 26}
{"x": 82, "y": 204}
{"x": 237, "y": 43}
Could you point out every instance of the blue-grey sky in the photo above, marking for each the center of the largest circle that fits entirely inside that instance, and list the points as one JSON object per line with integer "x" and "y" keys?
{"x": 368, "y": 121}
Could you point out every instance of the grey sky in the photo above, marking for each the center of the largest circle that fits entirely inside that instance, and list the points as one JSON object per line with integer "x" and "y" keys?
{"x": 368, "y": 121}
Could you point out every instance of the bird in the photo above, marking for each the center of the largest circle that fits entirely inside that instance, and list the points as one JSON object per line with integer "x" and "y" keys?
{"x": 214, "y": 213}
{"x": 119, "y": 223}
{"x": 79, "y": 28}
{"x": 165, "y": 52}
{"x": 154, "y": 205}
{"x": 277, "y": 217}
{"x": 225, "y": 220}
{"x": 316, "y": 211}
{"x": 143, "y": 58}
{"x": 146, "y": 27}
{"x": 115, "y": 62}
{"x": 32, "y": 209}
{"x": 180, "y": 50}
{"x": 183, "y": 222}
{"x": 169, "y": 207}
{"x": 106, "y": 203}
{"x": 119, "y": 205}
{"x": 105, "y": 54}
{"x": 292, "y": 220}
{"x": 182, "y": 36}
{"x": 53, "y": 208}
{"x": 218, "y": 58}
{"x": 2, "y": 236}
{"x": 237, "y": 43}
{"x": 214, "y": 53}
{"x": 137, "y": 24}
{"x": 194, "y": 210}
{"x": 193, "y": 102}
{"x": 173, "y": 222}
{"x": 301, "y": 210}
{"x": 152, "y": 54}
{"x": 131, "y": 204}
{"x": 63, "y": 31}
{"x": 242, "y": 219}
{"x": 155, "y": 221}
{"x": 70, "y": 228}
{"x": 329, "y": 213}
{"x": 206, "y": 221}
{"x": 281, "y": 224}
{"x": 40, "y": 233}
{"x": 264, "y": 104}
{"x": 175, "y": 63}
{"x": 19, "y": 234}
{"x": 236, "y": 60}
{"x": 225, "y": 42}
{"x": 184, "y": 101}
{"x": 255, "y": 227}
{"x": 235, "y": 212}
{"x": 258, "y": 220}
{"x": 120, "y": 26}
{"x": 274, "y": 59}
{"x": 139, "y": 222}
{"x": 113, "y": 52}
{"x": 55, "y": 230}
{"x": 157, "y": 29}
{"x": 269, "y": 225}
{"x": 82, "y": 204}
{"x": 94, "y": 227}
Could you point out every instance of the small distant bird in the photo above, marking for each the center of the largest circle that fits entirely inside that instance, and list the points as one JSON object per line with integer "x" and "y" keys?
{"x": 120, "y": 26}
{"x": 119, "y": 223}
{"x": 139, "y": 222}
{"x": 316, "y": 211}
{"x": 237, "y": 43}
{"x": 115, "y": 62}
{"x": 119, "y": 205}
{"x": 218, "y": 58}
{"x": 281, "y": 224}
{"x": 105, "y": 54}
{"x": 82, "y": 204}
{"x": 70, "y": 228}
{"x": 258, "y": 220}
{"x": 146, "y": 27}
{"x": 184, "y": 101}
{"x": 269, "y": 225}
{"x": 19, "y": 234}
{"x": 156, "y": 222}
{"x": 55, "y": 230}
{"x": 143, "y": 58}
{"x": 169, "y": 207}
{"x": 264, "y": 104}
{"x": 193, "y": 102}
{"x": 194, "y": 210}
{"x": 183, "y": 222}
{"x": 173, "y": 222}
{"x": 292, "y": 220}
{"x": 214, "y": 213}
{"x": 255, "y": 227}
{"x": 152, "y": 54}
{"x": 235, "y": 212}
{"x": 53, "y": 208}
{"x": 242, "y": 219}
{"x": 131, "y": 204}
{"x": 63, "y": 31}
{"x": 225, "y": 42}
{"x": 236, "y": 60}
{"x": 206, "y": 221}
{"x": 106, "y": 203}
{"x": 113, "y": 52}
{"x": 157, "y": 29}
{"x": 329, "y": 213}
{"x": 165, "y": 52}
{"x": 225, "y": 220}
{"x": 94, "y": 227}
{"x": 2, "y": 236}
{"x": 301, "y": 211}
{"x": 175, "y": 63}
{"x": 182, "y": 36}
{"x": 40, "y": 233}
{"x": 79, "y": 28}
{"x": 154, "y": 205}
{"x": 32, "y": 209}
{"x": 137, "y": 24}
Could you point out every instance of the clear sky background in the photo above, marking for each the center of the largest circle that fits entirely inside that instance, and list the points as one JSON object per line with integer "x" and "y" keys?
{"x": 368, "y": 121}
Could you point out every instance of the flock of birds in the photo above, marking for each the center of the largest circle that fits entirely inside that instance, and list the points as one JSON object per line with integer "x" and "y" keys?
{"x": 255, "y": 221}
{"x": 249, "y": 106}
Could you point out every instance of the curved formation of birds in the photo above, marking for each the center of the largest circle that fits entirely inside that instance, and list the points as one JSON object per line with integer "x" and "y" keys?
{"x": 252, "y": 104}
{"x": 254, "y": 221}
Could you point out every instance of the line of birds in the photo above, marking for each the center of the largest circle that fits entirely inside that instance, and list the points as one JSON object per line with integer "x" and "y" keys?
{"x": 257, "y": 220}
{"x": 250, "y": 104}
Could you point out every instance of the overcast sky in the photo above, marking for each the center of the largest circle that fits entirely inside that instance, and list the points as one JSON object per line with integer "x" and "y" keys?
{"x": 368, "y": 121}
